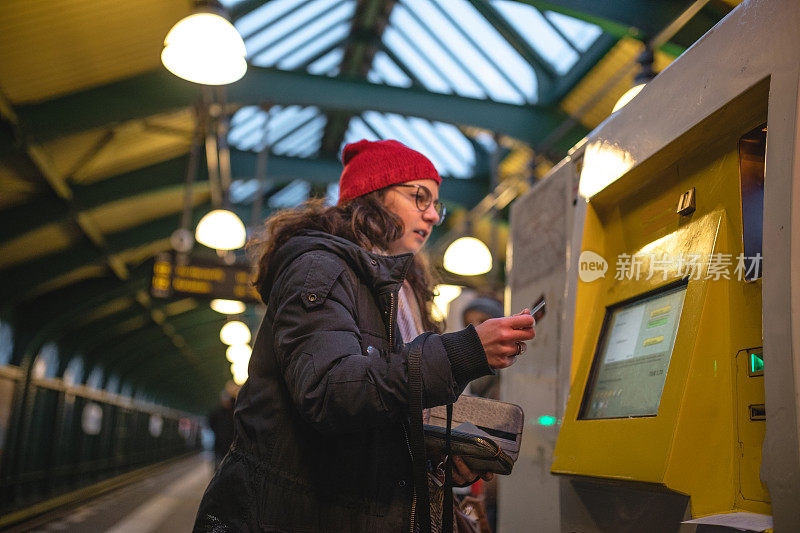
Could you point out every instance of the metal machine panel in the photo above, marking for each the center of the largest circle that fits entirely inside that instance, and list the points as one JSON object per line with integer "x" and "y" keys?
{"x": 541, "y": 224}
{"x": 703, "y": 439}
{"x": 687, "y": 442}
{"x": 666, "y": 181}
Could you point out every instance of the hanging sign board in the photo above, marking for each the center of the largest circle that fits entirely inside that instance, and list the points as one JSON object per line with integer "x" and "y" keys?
{"x": 204, "y": 279}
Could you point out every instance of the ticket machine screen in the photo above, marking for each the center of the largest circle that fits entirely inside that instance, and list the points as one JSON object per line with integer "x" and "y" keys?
{"x": 633, "y": 356}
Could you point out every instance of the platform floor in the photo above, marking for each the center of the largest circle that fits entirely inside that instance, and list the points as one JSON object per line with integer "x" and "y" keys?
{"x": 165, "y": 502}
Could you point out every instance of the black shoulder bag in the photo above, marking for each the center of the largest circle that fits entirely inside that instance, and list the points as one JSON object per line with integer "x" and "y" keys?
{"x": 416, "y": 437}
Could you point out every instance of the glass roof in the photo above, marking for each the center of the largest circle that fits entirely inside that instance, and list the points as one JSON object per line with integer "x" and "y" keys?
{"x": 291, "y": 195}
{"x": 447, "y": 148}
{"x": 493, "y": 50}
{"x": 450, "y": 48}
{"x": 292, "y": 131}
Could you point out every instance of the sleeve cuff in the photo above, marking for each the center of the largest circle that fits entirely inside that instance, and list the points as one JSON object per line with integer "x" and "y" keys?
{"x": 466, "y": 355}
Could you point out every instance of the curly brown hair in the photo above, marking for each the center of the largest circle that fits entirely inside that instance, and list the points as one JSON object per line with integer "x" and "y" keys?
{"x": 364, "y": 221}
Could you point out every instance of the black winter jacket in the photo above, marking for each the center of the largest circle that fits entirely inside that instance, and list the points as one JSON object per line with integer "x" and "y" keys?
{"x": 321, "y": 439}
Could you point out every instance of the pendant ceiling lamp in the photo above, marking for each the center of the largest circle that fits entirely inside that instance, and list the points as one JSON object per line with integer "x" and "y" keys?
{"x": 238, "y": 353}
{"x": 228, "y": 307}
{"x": 205, "y": 48}
{"x": 239, "y": 371}
{"x": 235, "y": 332}
{"x": 467, "y": 256}
{"x": 221, "y": 229}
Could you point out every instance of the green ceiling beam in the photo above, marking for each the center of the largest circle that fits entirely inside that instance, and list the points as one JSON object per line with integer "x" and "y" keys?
{"x": 159, "y": 91}
{"x": 137, "y": 97}
{"x": 135, "y": 347}
{"x": 8, "y": 140}
{"x": 19, "y": 219}
{"x": 157, "y": 355}
{"x": 102, "y": 341}
{"x": 84, "y": 338}
{"x": 202, "y": 315}
{"x": 243, "y": 8}
{"x": 27, "y": 217}
{"x": 282, "y": 169}
{"x": 148, "y": 346}
{"x": 21, "y": 279}
{"x": 143, "y": 341}
{"x": 90, "y": 336}
{"x": 466, "y": 192}
{"x": 24, "y": 277}
{"x": 366, "y": 30}
{"x": 634, "y": 18}
{"x": 116, "y": 346}
{"x": 147, "y": 180}
{"x": 327, "y": 8}
{"x": 40, "y": 324}
{"x": 61, "y": 302}
{"x": 545, "y": 72}
{"x": 640, "y": 19}
{"x": 582, "y": 66}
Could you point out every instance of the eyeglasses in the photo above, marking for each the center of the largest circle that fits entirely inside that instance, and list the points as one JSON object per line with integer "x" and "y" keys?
{"x": 424, "y": 198}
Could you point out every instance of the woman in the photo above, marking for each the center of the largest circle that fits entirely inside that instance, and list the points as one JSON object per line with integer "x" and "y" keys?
{"x": 321, "y": 424}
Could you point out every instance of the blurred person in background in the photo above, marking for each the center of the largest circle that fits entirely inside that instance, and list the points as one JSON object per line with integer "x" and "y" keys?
{"x": 483, "y": 493}
{"x": 477, "y": 312}
{"x": 220, "y": 420}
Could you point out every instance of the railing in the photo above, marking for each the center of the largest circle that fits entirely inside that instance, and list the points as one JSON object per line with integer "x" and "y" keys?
{"x": 64, "y": 437}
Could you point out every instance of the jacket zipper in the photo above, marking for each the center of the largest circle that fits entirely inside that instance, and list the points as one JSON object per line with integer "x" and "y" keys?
{"x": 391, "y": 320}
{"x": 405, "y": 431}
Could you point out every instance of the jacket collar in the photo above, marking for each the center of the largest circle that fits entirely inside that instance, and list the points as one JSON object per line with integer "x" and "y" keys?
{"x": 382, "y": 272}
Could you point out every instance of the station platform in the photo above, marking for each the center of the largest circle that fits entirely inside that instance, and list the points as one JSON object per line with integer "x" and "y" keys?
{"x": 165, "y": 501}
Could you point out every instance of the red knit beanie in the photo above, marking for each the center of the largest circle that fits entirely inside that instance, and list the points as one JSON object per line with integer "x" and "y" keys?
{"x": 373, "y": 165}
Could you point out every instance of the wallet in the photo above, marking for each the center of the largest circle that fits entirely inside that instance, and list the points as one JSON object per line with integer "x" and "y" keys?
{"x": 485, "y": 433}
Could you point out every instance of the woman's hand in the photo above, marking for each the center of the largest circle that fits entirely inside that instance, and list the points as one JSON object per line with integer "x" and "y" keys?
{"x": 504, "y": 338}
{"x": 462, "y": 474}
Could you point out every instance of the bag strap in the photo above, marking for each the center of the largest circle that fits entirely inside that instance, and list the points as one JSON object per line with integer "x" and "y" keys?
{"x": 416, "y": 437}
{"x": 447, "y": 503}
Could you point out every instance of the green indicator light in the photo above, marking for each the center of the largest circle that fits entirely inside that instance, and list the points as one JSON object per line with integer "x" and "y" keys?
{"x": 756, "y": 363}
{"x": 657, "y": 322}
{"x": 547, "y": 420}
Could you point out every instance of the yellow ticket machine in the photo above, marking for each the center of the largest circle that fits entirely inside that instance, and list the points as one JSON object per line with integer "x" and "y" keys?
{"x": 665, "y": 418}
{"x": 683, "y": 396}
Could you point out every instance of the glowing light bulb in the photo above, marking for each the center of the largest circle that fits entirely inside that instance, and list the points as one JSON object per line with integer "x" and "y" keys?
{"x": 239, "y": 372}
{"x": 467, "y": 256}
{"x": 441, "y": 302}
{"x": 238, "y": 352}
{"x": 235, "y": 332}
{"x": 205, "y": 48}
{"x": 228, "y": 307}
{"x": 221, "y": 229}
